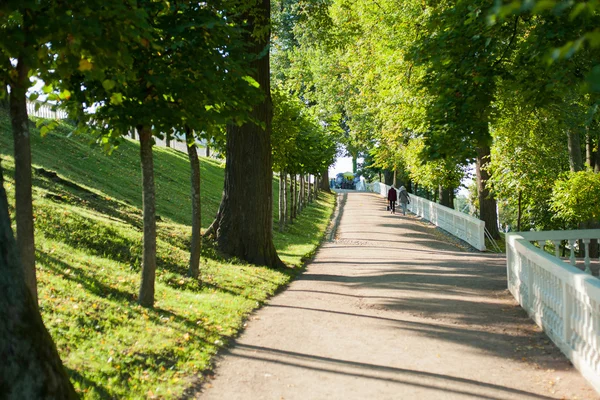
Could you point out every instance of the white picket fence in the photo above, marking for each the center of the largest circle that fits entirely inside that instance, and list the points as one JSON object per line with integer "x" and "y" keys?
{"x": 463, "y": 226}
{"x": 558, "y": 296}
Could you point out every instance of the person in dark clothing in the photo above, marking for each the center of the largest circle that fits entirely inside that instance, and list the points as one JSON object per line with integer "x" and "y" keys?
{"x": 392, "y": 197}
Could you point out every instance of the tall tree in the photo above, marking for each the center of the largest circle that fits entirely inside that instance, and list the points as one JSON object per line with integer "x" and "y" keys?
{"x": 243, "y": 225}
{"x": 31, "y": 367}
{"x": 196, "y": 246}
{"x": 39, "y": 37}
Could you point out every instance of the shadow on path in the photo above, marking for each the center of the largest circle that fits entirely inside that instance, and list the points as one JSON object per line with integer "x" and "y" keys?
{"x": 440, "y": 382}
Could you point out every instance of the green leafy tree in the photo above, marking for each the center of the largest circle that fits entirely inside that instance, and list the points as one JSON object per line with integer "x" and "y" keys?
{"x": 42, "y": 37}
{"x": 575, "y": 197}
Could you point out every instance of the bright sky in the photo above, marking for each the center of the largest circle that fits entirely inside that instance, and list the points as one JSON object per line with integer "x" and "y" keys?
{"x": 342, "y": 164}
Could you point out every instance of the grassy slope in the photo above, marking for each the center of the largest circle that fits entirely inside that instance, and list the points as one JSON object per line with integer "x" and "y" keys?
{"x": 88, "y": 239}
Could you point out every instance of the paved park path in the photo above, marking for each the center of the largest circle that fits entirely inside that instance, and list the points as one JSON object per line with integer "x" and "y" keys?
{"x": 390, "y": 310}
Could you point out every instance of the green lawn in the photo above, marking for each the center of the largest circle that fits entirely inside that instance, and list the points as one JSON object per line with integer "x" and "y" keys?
{"x": 89, "y": 242}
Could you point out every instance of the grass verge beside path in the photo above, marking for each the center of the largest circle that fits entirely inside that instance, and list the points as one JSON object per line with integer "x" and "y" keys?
{"x": 89, "y": 243}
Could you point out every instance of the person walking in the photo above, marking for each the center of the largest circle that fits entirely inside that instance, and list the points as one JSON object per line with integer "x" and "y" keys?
{"x": 392, "y": 197}
{"x": 404, "y": 198}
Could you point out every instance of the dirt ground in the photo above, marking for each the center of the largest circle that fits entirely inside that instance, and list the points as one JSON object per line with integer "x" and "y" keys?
{"x": 389, "y": 310}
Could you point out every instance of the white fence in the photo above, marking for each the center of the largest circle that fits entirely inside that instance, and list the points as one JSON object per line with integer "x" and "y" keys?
{"x": 559, "y": 297}
{"x": 463, "y": 226}
{"x": 43, "y": 110}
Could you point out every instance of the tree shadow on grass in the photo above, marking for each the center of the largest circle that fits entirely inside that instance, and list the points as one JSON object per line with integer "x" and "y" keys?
{"x": 79, "y": 275}
{"x": 86, "y": 383}
{"x": 70, "y": 192}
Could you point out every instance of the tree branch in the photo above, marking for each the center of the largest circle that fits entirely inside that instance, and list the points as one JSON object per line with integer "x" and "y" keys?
{"x": 512, "y": 39}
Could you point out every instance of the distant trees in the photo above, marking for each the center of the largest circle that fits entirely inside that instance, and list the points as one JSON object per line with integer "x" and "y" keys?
{"x": 301, "y": 147}
{"x": 431, "y": 87}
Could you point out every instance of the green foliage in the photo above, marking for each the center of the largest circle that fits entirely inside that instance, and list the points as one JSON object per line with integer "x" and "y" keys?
{"x": 571, "y": 26}
{"x": 575, "y": 197}
{"x": 56, "y": 40}
{"x": 191, "y": 69}
{"x": 300, "y": 144}
{"x": 441, "y": 172}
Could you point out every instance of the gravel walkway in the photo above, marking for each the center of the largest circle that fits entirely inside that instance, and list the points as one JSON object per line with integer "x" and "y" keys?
{"x": 390, "y": 311}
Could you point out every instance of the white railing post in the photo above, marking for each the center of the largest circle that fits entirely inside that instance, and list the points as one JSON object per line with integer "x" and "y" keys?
{"x": 563, "y": 300}
{"x": 572, "y": 256}
{"x": 586, "y": 260}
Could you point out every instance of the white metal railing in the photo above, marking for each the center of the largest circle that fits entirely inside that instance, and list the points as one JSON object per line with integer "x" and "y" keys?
{"x": 559, "y": 297}
{"x": 463, "y": 226}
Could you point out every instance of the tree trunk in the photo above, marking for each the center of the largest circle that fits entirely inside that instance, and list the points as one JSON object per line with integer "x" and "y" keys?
{"x": 245, "y": 218}
{"x": 388, "y": 176}
{"x": 196, "y": 246}
{"x": 395, "y": 179}
{"x": 574, "y": 146}
{"x": 23, "y": 179}
{"x": 301, "y": 193}
{"x": 291, "y": 202}
{"x": 589, "y": 150}
{"x": 207, "y": 150}
{"x": 487, "y": 203}
{"x": 354, "y": 163}
{"x": 519, "y": 212}
{"x": 597, "y": 166}
{"x": 445, "y": 195}
{"x": 146, "y": 297}
{"x": 281, "y": 200}
{"x": 306, "y": 190}
{"x": 310, "y": 192}
{"x": 296, "y": 190}
{"x": 4, "y": 102}
{"x": 325, "y": 181}
{"x": 285, "y": 199}
{"x": 167, "y": 141}
{"x": 31, "y": 367}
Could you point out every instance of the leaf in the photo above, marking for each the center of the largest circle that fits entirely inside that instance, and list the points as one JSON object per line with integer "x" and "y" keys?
{"x": 116, "y": 99}
{"x": 579, "y": 8}
{"x": 108, "y": 84}
{"x": 543, "y": 5}
{"x": 44, "y": 130}
{"x": 85, "y": 65}
{"x": 251, "y": 81}
{"x": 594, "y": 38}
{"x": 47, "y": 88}
{"x": 34, "y": 96}
{"x": 65, "y": 95}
